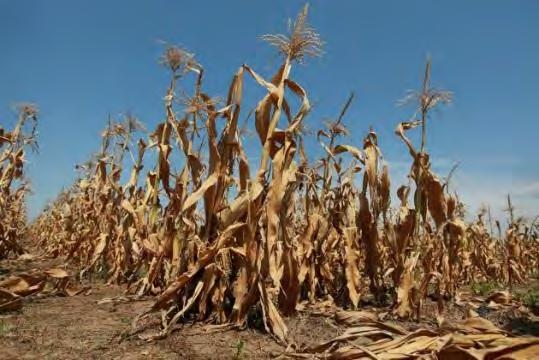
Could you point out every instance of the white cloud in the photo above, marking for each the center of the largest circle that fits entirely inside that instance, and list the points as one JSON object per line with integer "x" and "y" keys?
{"x": 486, "y": 186}
{"x": 528, "y": 190}
{"x": 492, "y": 190}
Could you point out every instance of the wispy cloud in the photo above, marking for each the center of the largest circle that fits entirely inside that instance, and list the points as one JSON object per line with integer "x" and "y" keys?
{"x": 481, "y": 183}
{"x": 528, "y": 189}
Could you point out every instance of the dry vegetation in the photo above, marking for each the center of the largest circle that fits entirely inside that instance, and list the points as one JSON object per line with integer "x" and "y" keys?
{"x": 228, "y": 242}
{"x": 13, "y": 185}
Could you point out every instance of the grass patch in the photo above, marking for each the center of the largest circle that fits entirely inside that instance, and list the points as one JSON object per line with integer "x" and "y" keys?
{"x": 529, "y": 297}
{"x": 484, "y": 288}
{"x": 5, "y": 328}
{"x": 240, "y": 345}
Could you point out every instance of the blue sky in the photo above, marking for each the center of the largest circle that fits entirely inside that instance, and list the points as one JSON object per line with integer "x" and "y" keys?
{"x": 83, "y": 60}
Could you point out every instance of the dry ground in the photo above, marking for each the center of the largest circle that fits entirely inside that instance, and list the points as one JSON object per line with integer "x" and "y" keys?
{"x": 52, "y": 327}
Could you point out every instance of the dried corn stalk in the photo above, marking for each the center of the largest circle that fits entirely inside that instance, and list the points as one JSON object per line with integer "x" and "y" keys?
{"x": 13, "y": 184}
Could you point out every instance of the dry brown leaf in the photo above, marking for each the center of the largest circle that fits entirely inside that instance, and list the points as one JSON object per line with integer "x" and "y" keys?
{"x": 57, "y": 273}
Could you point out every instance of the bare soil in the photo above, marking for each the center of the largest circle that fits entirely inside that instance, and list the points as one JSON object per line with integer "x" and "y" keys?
{"x": 77, "y": 327}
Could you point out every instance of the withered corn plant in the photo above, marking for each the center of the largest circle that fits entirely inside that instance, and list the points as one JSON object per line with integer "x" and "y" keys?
{"x": 87, "y": 219}
{"x": 216, "y": 239}
{"x": 13, "y": 183}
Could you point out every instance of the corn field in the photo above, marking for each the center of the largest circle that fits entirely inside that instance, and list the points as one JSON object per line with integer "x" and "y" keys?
{"x": 13, "y": 184}
{"x": 181, "y": 214}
